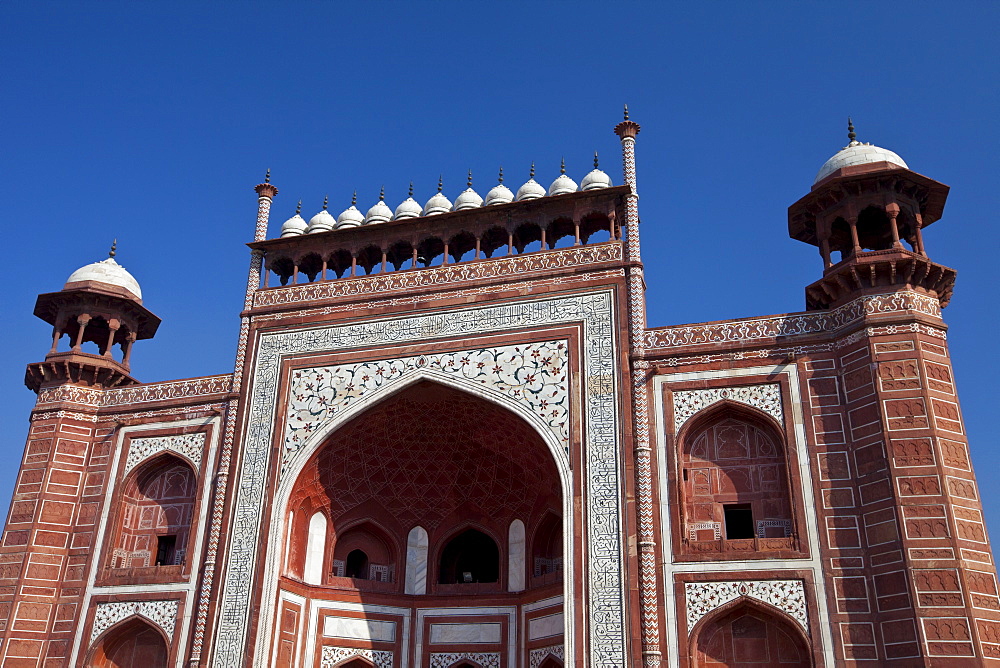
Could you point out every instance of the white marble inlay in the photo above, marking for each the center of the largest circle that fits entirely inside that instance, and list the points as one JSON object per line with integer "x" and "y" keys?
{"x": 544, "y": 627}
{"x": 766, "y": 397}
{"x": 473, "y": 634}
{"x": 355, "y": 628}
{"x": 416, "y": 562}
{"x": 315, "y": 550}
{"x": 333, "y": 656}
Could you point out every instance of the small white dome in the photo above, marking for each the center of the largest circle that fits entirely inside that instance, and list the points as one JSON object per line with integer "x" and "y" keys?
{"x": 408, "y": 208}
{"x": 531, "y": 189}
{"x": 294, "y": 226}
{"x": 563, "y": 184}
{"x": 857, "y": 153}
{"x": 595, "y": 179}
{"x": 351, "y": 217}
{"x": 469, "y": 198}
{"x": 380, "y": 213}
{"x": 499, "y": 194}
{"x": 108, "y": 272}
{"x": 322, "y": 221}
{"x": 438, "y": 203}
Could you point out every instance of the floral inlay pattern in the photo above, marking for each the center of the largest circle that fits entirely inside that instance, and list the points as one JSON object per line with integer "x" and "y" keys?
{"x": 789, "y": 596}
{"x": 334, "y": 655}
{"x": 765, "y": 397}
{"x": 161, "y": 613}
{"x": 533, "y": 374}
{"x": 189, "y": 445}
{"x": 484, "y": 659}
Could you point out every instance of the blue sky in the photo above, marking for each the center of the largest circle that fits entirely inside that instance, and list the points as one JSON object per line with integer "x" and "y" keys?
{"x": 152, "y": 122}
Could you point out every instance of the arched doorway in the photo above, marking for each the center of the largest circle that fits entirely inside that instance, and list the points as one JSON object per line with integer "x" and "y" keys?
{"x": 748, "y": 636}
{"x": 132, "y": 644}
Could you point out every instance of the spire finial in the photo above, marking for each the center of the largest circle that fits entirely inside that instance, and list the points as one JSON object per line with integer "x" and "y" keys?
{"x": 326, "y": 201}
{"x": 626, "y": 112}
{"x": 267, "y": 175}
{"x": 562, "y": 166}
{"x": 411, "y": 189}
{"x": 531, "y": 174}
{"x": 298, "y": 208}
{"x": 850, "y": 129}
{"x": 468, "y": 182}
{"x": 440, "y": 182}
{"x": 114, "y": 246}
{"x": 595, "y": 159}
{"x": 381, "y": 194}
{"x": 354, "y": 198}
{"x": 501, "y": 174}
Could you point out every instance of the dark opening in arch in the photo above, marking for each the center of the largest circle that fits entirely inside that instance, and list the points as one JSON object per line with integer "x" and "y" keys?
{"x": 471, "y": 556}
{"x": 356, "y": 565}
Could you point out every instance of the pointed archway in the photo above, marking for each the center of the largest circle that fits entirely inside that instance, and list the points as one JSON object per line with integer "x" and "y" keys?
{"x": 131, "y": 643}
{"x": 747, "y": 635}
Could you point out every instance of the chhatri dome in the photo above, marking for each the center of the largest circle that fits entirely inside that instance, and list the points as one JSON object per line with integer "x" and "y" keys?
{"x": 438, "y": 203}
{"x": 531, "y": 189}
{"x": 469, "y": 198}
{"x": 563, "y": 184}
{"x": 322, "y": 221}
{"x": 351, "y": 216}
{"x": 857, "y": 153}
{"x": 595, "y": 178}
{"x": 380, "y": 213}
{"x": 108, "y": 272}
{"x": 499, "y": 194}
{"x": 408, "y": 208}
{"x": 295, "y": 225}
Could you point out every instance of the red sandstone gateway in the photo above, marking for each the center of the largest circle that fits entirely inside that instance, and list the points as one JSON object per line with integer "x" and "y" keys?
{"x": 450, "y": 440}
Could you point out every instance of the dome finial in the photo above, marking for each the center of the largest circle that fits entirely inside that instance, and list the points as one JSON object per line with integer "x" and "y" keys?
{"x": 114, "y": 246}
{"x": 326, "y": 201}
{"x": 850, "y": 129}
{"x": 501, "y": 174}
{"x": 411, "y": 189}
{"x": 595, "y": 159}
{"x": 267, "y": 175}
{"x": 531, "y": 174}
{"x": 562, "y": 166}
{"x": 381, "y": 194}
{"x": 298, "y": 208}
{"x": 440, "y": 182}
{"x": 626, "y": 112}
{"x": 468, "y": 182}
{"x": 354, "y": 198}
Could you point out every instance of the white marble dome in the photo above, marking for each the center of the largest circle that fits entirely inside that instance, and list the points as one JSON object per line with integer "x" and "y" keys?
{"x": 408, "y": 208}
{"x": 438, "y": 203}
{"x": 295, "y": 225}
{"x": 351, "y": 216}
{"x": 595, "y": 178}
{"x": 857, "y": 153}
{"x": 108, "y": 272}
{"x": 380, "y": 213}
{"x": 499, "y": 194}
{"x": 322, "y": 221}
{"x": 531, "y": 189}
{"x": 468, "y": 198}
{"x": 563, "y": 184}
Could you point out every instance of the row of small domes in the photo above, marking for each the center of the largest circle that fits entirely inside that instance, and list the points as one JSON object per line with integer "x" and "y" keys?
{"x": 438, "y": 203}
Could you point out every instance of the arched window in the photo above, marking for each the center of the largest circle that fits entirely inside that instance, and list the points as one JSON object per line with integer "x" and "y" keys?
{"x": 546, "y": 547}
{"x": 734, "y": 484}
{"x": 316, "y": 549}
{"x": 470, "y": 557}
{"x": 749, "y": 637}
{"x": 357, "y": 565}
{"x": 132, "y": 643}
{"x": 364, "y": 552}
{"x": 155, "y": 514}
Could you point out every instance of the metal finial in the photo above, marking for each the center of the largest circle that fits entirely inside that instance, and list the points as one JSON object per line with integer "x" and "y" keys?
{"x": 298, "y": 208}
{"x": 562, "y": 166}
{"x": 531, "y": 174}
{"x": 440, "y": 182}
{"x": 468, "y": 182}
{"x": 626, "y": 112}
{"x": 326, "y": 201}
{"x": 501, "y": 174}
{"x": 267, "y": 175}
{"x": 595, "y": 159}
{"x": 114, "y": 245}
{"x": 381, "y": 194}
{"x": 850, "y": 129}
{"x": 411, "y": 189}
{"x": 354, "y": 198}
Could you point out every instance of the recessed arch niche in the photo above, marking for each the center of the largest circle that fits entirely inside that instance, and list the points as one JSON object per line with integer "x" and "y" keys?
{"x": 747, "y": 634}
{"x": 133, "y": 642}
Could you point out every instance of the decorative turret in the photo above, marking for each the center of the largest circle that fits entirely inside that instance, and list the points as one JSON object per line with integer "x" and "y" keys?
{"x": 101, "y": 303}
{"x": 869, "y": 207}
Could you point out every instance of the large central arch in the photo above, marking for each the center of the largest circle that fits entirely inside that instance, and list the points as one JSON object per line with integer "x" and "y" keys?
{"x": 449, "y": 476}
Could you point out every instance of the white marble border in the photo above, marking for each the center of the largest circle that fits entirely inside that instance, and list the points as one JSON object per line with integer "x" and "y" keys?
{"x": 768, "y": 569}
{"x": 607, "y": 628}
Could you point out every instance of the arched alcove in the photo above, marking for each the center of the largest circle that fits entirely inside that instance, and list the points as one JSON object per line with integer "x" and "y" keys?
{"x": 130, "y": 644}
{"x": 469, "y": 557}
{"x": 734, "y": 483}
{"x": 154, "y": 514}
{"x": 749, "y": 635}
{"x": 364, "y": 551}
{"x": 547, "y": 547}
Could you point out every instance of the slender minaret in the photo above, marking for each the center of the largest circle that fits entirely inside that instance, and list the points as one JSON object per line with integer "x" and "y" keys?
{"x": 627, "y": 131}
